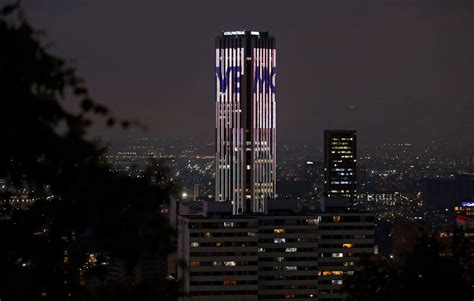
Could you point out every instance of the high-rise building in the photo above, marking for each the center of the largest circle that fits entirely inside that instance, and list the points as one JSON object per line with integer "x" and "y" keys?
{"x": 340, "y": 162}
{"x": 245, "y": 119}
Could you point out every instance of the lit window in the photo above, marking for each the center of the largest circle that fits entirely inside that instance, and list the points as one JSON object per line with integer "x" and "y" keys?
{"x": 336, "y": 218}
{"x": 194, "y": 244}
{"x": 207, "y": 235}
{"x": 312, "y": 221}
{"x": 337, "y": 255}
{"x": 291, "y": 268}
{"x": 195, "y": 264}
{"x": 229, "y": 224}
{"x": 217, "y": 263}
{"x": 279, "y": 231}
{"x": 279, "y": 240}
{"x": 261, "y": 250}
{"x": 291, "y": 250}
{"x": 347, "y": 246}
{"x": 230, "y": 282}
{"x": 280, "y": 259}
{"x": 336, "y": 281}
{"x": 230, "y": 263}
{"x": 290, "y": 296}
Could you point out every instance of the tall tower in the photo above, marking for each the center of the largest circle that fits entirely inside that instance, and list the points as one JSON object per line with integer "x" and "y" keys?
{"x": 245, "y": 119}
{"x": 340, "y": 163}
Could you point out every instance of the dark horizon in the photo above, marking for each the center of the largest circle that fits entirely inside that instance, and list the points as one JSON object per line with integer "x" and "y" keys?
{"x": 395, "y": 72}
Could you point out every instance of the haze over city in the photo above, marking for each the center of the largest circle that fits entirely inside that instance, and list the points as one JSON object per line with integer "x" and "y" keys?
{"x": 397, "y": 71}
{"x": 295, "y": 150}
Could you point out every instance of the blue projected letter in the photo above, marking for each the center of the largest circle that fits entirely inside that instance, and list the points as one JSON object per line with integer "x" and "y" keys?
{"x": 224, "y": 78}
{"x": 264, "y": 78}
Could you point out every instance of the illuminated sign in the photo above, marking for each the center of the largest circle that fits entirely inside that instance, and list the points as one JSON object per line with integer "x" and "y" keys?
{"x": 467, "y": 204}
{"x": 264, "y": 79}
{"x": 255, "y": 33}
{"x": 230, "y": 69}
{"x": 265, "y": 70}
{"x": 234, "y": 33}
{"x": 224, "y": 78}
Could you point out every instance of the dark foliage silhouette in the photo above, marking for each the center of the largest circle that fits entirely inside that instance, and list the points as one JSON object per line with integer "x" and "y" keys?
{"x": 81, "y": 207}
{"x": 423, "y": 274}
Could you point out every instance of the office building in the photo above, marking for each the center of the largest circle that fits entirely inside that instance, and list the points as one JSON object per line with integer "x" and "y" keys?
{"x": 285, "y": 253}
{"x": 287, "y": 257}
{"x": 220, "y": 251}
{"x": 340, "y": 162}
{"x": 245, "y": 120}
{"x": 345, "y": 238}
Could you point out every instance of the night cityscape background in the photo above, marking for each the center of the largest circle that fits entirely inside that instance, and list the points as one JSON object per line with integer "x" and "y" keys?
{"x": 267, "y": 150}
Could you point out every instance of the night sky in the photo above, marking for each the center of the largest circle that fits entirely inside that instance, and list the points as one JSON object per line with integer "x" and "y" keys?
{"x": 396, "y": 71}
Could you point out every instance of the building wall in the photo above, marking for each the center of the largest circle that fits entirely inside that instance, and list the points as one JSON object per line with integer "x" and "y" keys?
{"x": 221, "y": 255}
{"x": 345, "y": 238}
{"x": 245, "y": 120}
{"x": 288, "y": 257}
{"x": 340, "y": 162}
{"x": 272, "y": 257}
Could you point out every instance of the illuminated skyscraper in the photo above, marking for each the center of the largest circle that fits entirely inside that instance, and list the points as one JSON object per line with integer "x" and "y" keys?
{"x": 245, "y": 119}
{"x": 340, "y": 162}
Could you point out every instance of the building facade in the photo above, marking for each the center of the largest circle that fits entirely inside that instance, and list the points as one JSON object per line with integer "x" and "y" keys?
{"x": 221, "y": 258}
{"x": 288, "y": 257}
{"x": 340, "y": 163}
{"x": 280, "y": 255}
{"x": 245, "y": 120}
{"x": 345, "y": 238}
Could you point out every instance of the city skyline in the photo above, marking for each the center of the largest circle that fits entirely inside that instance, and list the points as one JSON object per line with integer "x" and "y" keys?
{"x": 366, "y": 194}
{"x": 379, "y": 98}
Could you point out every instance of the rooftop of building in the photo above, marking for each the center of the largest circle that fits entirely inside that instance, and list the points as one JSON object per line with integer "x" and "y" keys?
{"x": 263, "y": 34}
{"x": 275, "y": 207}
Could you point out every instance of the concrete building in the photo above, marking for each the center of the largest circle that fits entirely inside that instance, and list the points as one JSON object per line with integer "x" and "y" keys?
{"x": 221, "y": 257}
{"x": 289, "y": 252}
{"x": 344, "y": 238}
